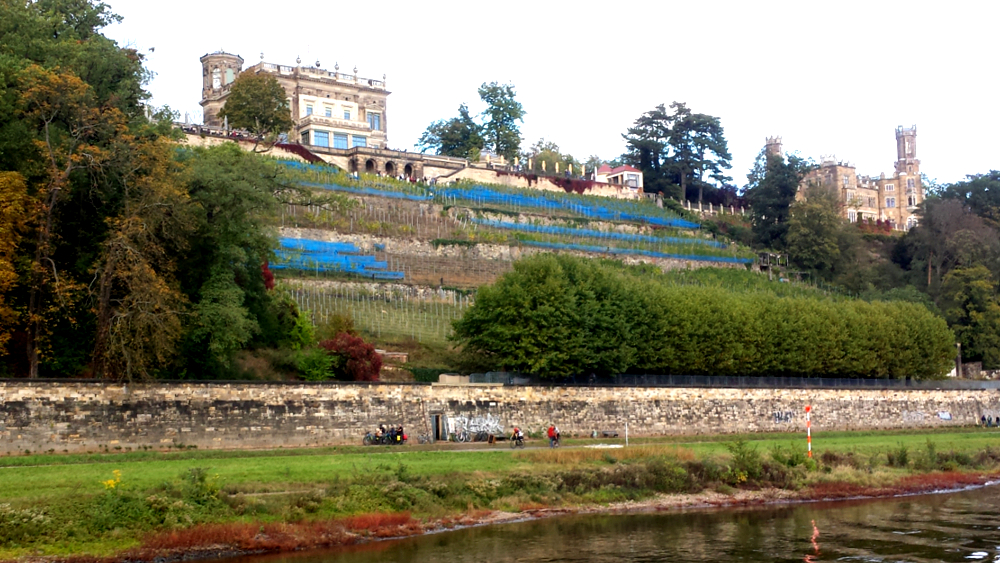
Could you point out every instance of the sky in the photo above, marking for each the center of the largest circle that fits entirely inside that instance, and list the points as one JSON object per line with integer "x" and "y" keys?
{"x": 830, "y": 78}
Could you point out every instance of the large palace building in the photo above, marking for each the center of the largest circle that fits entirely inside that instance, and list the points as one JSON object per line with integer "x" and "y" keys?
{"x": 891, "y": 199}
{"x": 330, "y": 108}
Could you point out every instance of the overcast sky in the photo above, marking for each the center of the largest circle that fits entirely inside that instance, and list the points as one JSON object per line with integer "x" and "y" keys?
{"x": 830, "y": 78}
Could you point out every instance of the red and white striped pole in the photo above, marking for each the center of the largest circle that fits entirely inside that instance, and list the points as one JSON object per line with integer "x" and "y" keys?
{"x": 809, "y": 438}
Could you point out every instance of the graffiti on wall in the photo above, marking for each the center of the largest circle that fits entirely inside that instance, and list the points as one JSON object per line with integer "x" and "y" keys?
{"x": 783, "y": 417}
{"x": 487, "y": 423}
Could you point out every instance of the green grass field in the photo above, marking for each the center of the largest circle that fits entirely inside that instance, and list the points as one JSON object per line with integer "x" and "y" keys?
{"x": 101, "y": 504}
{"x": 28, "y": 479}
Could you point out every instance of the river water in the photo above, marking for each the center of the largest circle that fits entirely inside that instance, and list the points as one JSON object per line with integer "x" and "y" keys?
{"x": 963, "y": 526}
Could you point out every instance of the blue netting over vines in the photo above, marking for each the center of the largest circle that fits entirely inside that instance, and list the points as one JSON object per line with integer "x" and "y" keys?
{"x": 321, "y": 256}
{"x": 634, "y": 251}
{"x": 610, "y": 210}
{"x": 376, "y": 192}
{"x": 594, "y": 207}
{"x": 556, "y": 230}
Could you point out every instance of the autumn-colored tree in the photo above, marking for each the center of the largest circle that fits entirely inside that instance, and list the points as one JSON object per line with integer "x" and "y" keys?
{"x": 60, "y": 110}
{"x": 13, "y": 208}
{"x": 357, "y": 359}
{"x": 139, "y": 304}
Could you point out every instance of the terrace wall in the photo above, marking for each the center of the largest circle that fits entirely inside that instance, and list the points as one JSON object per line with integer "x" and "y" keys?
{"x": 86, "y": 415}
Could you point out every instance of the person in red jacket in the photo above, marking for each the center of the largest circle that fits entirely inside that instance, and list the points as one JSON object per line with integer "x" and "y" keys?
{"x": 552, "y": 436}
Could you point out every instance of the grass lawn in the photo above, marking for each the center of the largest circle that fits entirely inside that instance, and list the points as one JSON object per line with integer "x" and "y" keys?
{"x": 25, "y": 480}
{"x": 102, "y": 504}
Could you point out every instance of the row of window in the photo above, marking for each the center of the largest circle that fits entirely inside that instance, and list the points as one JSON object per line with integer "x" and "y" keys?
{"x": 910, "y": 184}
{"x": 322, "y": 139}
{"x": 889, "y": 201}
{"x": 374, "y": 119}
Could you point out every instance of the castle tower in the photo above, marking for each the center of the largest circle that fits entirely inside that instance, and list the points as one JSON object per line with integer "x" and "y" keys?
{"x": 219, "y": 70}
{"x": 906, "y": 151}
{"x": 772, "y": 147}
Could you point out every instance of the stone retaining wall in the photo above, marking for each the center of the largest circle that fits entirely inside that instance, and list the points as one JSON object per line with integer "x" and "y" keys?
{"x": 85, "y": 416}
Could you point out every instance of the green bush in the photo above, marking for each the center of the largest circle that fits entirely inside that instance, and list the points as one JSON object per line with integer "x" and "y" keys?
{"x": 315, "y": 364}
{"x": 559, "y": 316}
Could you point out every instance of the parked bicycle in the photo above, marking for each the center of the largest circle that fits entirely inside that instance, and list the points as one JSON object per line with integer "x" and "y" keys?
{"x": 424, "y": 439}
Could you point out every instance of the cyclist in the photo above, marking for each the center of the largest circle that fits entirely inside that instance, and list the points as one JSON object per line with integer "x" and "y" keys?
{"x": 552, "y": 436}
{"x": 517, "y": 434}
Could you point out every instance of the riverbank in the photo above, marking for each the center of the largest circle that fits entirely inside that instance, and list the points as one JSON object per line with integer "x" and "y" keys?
{"x": 163, "y": 508}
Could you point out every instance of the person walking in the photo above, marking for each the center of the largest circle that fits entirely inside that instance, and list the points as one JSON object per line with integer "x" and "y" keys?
{"x": 552, "y": 436}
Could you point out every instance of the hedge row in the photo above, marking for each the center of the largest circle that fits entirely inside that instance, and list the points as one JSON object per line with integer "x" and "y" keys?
{"x": 559, "y": 315}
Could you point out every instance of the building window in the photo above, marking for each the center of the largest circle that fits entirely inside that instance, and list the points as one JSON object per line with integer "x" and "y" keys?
{"x": 890, "y": 202}
{"x": 852, "y": 216}
{"x": 347, "y": 114}
{"x": 321, "y": 139}
{"x": 850, "y": 197}
{"x": 871, "y": 202}
{"x": 375, "y": 121}
{"x": 889, "y": 187}
{"x": 328, "y": 112}
{"x": 216, "y": 79}
{"x": 340, "y": 140}
{"x": 305, "y": 137}
{"x": 309, "y": 110}
{"x": 847, "y": 180}
{"x": 632, "y": 180}
{"x": 229, "y": 75}
{"x": 359, "y": 141}
{"x": 910, "y": 184}
{"x": 911, "y": 201}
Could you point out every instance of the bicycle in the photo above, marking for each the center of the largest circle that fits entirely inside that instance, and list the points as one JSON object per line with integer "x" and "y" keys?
{"x": 424, "y": 439}
{"x": 516, "y": 442}
{"x": 462, "y": 436}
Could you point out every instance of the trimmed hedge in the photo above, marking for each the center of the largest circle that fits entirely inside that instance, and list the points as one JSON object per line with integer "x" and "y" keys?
{"x": 557, "y": 315}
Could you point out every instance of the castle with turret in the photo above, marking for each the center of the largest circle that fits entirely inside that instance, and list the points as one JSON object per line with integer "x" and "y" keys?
{"x": 889, "y": 199}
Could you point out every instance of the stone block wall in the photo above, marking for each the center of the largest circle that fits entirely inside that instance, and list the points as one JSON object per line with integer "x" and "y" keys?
{"x": 87, "y": 415}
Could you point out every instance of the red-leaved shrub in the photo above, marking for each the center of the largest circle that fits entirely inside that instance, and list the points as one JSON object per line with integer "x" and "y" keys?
{"x": 268, "y": 275}
{"x": 359, "y": 362}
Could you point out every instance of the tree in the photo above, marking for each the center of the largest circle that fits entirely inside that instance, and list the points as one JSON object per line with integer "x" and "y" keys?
{"x": 549, "y": 154}
{"x": 13, "y": 212}
{"x": 139, "y": 306}
{"x": 355, "y": 359}
{"x": 972, "y": 307}
{"x": 814, "y": 231}
{"x": 234, "y": 200}
{"x": 676, "y": 149}
{"x": 501, "y": 131}
{"x": 770, "y": 191}
{"x": 980, "y": 193}
{"x": 699, "y": 148}
{"x": 460, "y": 136}
{"x": 258, "y": 104}
{"x": 948, "y": 236}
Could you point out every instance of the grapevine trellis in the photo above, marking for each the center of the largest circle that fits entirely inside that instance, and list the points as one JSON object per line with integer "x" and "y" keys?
{"x": 384, "y": 311}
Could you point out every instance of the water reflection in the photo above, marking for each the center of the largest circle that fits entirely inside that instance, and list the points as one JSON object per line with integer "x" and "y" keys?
{"x": 948, "y": 527}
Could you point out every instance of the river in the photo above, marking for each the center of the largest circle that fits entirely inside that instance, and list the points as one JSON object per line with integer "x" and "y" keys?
{"x": 962, "y": 526}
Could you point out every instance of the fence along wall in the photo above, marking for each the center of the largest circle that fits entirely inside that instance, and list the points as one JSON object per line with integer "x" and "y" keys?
{"x": 85, "y": 416}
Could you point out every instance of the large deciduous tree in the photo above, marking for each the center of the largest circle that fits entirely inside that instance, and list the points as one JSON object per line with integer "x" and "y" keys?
{"x": 258, "y": 104}
{"x": 459, "y": 136}
{"x": 972, "y": 306}
{"x": 543, "y": 156}
{"x": 503, "y": 113}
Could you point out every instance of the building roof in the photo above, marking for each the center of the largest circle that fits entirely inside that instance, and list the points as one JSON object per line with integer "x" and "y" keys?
{"x": 625, "y": 168}
{"x": 604, "y": 169}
